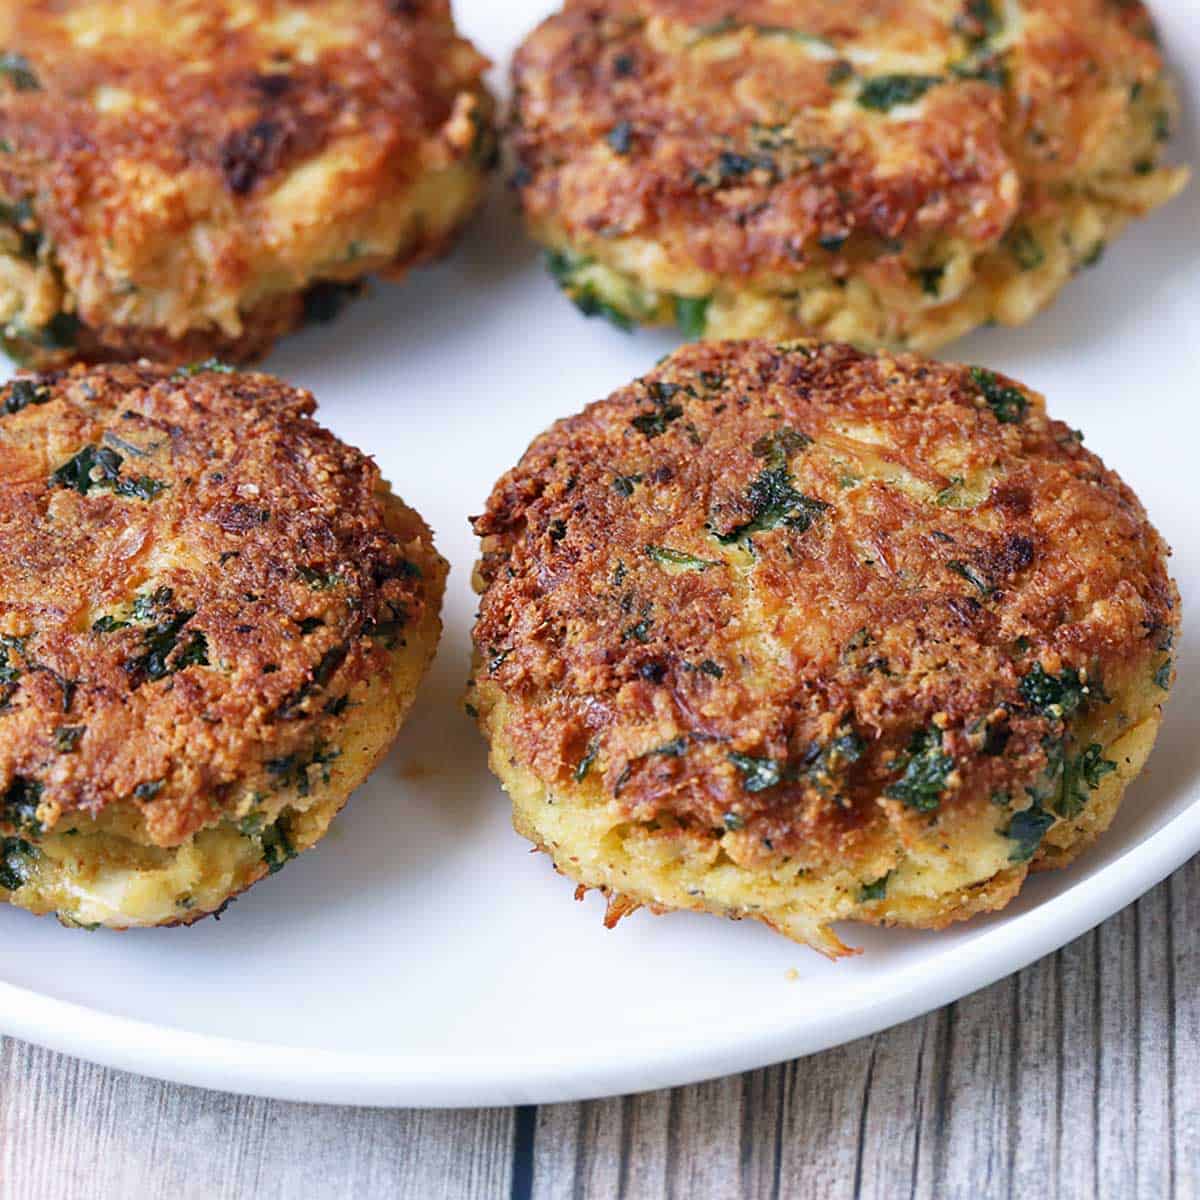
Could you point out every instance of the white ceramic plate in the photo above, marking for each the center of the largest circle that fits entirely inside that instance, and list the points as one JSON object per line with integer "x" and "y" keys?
{"x": 421, "y": 955}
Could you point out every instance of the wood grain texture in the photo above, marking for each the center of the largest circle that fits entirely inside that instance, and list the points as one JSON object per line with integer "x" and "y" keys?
{"x": 1078, "y": 1077}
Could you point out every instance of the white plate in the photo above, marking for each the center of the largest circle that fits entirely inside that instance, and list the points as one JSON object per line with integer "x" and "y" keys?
{"x": 421, "y": 956}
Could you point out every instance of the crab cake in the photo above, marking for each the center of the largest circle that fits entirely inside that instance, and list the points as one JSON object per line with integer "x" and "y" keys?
{"x": 796, "y": 633}
{"x": 883, "y": 172}
{"x": 213, "y": 618}
{"x": 198, "y": 177}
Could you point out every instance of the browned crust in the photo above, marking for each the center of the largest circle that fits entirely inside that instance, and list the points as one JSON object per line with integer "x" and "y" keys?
{"x": 299, "y": 571}
{"x": 864, "y": 622}
{"x": 233, "y": 106}
{"x": 814, "y": 188}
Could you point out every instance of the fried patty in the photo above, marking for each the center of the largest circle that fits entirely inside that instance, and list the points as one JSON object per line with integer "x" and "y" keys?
{"x": 194, "y": 178}
{"x": 801, "y": 634}
{"x": 213, "y": 619}
{"x": 883, "y": 172}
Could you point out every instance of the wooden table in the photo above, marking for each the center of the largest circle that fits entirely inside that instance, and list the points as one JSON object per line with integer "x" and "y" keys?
{"x": 1083, "y": 1071}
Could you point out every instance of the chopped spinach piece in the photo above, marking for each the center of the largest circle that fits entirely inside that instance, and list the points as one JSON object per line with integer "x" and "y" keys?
{"x": 1162, "y": 676}
{"x": 972, "y": 576}
{"x": 654, "y": 423}
{"x": 16, "y": 856}
{"x": 142, "y": 488}
{"x": 93, "y": 466}
{"x": 19, "y": 805}
{"x": 733, "y": 821}
{"x": 874, "y": 891}
{"x": 758, "y": 774}
{"x": 160, "y": 640}
{"x": 639, "y": 632}
{"x": 585, "y": 763}
{"x": 1079, "y": 776}
{"x": 620, "y": 137}
{"x": 24, "y": 392}
{"x": 66, "y": 738}
{"x": 148, "y": 790}
{"x": 100, "y": 467}
{"x": 1093, "y": 766}
{"x": 926, "y": 770}
{"x": 565, "y": 268}
{"x": 1057, "y": 697}
{"x": 708, "y": 667}
{"x": 691, "y": 315}
{"x": 667, "y": 557}
{"x": 149, "y": 606}
{"x": 884, "y": 92}
{"x": 1027, "y": 828}
{"x": 774, "y": 502}
{"x": 1008, "y": 403}
{"x": 319, "y": 581}
{"x": 277, "y": 848}
{"x": 1024, "y": 247}
{"x": 930, "y": 279}
{"x": 779, "y": 446}
{"x": 194, "y": 654}
{"x": 623, "y": 485}
{"x": 19, "y": 72}
{"x": 199, "y": 368}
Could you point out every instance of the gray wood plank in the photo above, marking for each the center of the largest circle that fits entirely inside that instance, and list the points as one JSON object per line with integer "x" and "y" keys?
{"x": 72, "y": 1131}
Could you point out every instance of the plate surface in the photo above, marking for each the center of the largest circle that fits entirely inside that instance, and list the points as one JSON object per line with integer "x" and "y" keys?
{"x": 420, "y": 956}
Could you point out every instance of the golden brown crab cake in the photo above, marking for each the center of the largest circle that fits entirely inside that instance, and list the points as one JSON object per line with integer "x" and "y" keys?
{"x": 197, "y": 177}
{"x": 796, "y": 633}
{"x": 213, "y": 619}
{"x": 884, "y": 172}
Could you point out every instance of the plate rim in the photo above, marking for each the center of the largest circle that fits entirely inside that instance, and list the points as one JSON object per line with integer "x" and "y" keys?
{"x": 296, "y": 1073}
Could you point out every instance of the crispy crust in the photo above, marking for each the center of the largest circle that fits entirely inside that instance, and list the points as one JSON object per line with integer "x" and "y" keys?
{"x": 191, "y": 170}
{"x": 746, "y": 160}
{"x": 696, "y": 590}
{"x": 264, "y": 562}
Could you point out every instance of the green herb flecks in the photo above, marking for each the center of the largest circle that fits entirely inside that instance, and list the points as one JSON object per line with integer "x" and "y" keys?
{"x": 24, "y": 392}
{"x": 277, "y": 847}
{"x": 654, "y": 423}
{"x": 1080, "y": 776}
{"x": 9, "y": 672}
{"x": 567, "y": 270}
{"x": 691, "y": 315}
{"x": 774, "y": 502}
{"x": 974, "y": 577}
{"x": 67, "y": 737}
{"x": 926, "y": 772}
{"x": 19, "y": 805}
{"x": 826, "y": 764}
{"x": 620, "y": 138}
{"x": 18, "y": 70}
{"x": 199, "y": 368}
{"x": 871, "y": 892}
{"x": 732, "y": 25}
{"x": 1026, "y": 829}
{"x": 758, "y": 774}
{"x": 100, "y": 467}
{"x": 319, "y": 581}
{"x": 930, "y": 279}
{"x": 16, "y": 861}
{"x": 666, "y": 557}
{"x": 585, "y": 763}
{"x": 1162, "y": 675}
{"x": 1025, "y": 248}
{"x": 1057, "y": 697}
{"x": 885, "y": 92}
{"x": 1008, "y": 403}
